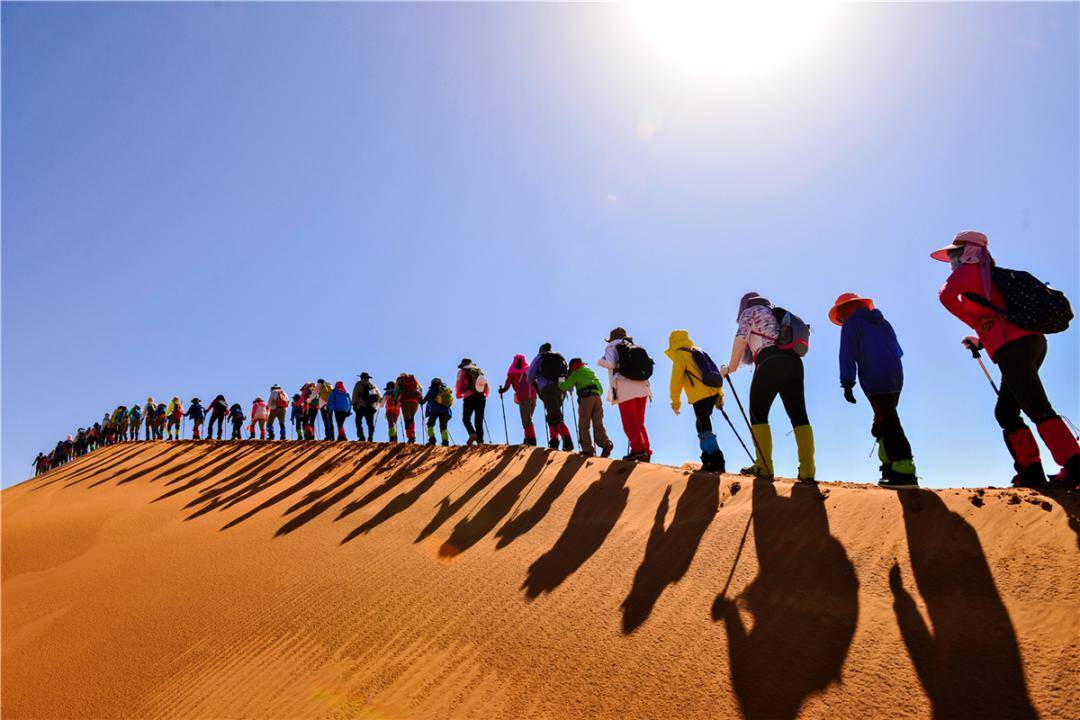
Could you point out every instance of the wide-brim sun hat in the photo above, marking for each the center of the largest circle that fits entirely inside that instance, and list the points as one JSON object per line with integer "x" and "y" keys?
{"x": 963, "y": 238}
{"x": 464, "y": 362}
{"x": 616, "y": 334}
{"x": 846, "y": 299}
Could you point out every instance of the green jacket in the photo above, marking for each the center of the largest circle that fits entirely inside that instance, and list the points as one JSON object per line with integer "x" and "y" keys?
{"x": 583, "y": 380}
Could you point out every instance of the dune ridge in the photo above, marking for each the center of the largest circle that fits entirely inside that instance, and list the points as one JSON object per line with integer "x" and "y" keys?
{"x": 339, "y": 580}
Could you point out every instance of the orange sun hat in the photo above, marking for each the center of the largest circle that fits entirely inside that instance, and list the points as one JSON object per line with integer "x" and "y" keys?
{"x": 846, "y": 298}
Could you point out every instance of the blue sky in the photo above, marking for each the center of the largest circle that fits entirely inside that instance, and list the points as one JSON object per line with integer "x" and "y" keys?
{"x": 204, "y": 198}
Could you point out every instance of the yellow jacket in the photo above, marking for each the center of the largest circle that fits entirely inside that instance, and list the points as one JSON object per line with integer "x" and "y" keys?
{"x": 682, "y": 364}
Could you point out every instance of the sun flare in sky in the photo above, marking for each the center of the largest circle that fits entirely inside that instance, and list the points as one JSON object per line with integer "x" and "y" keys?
{"x": 730, "y": 38}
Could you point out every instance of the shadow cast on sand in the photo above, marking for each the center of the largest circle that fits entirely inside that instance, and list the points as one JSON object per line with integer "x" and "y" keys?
{"x": 447, "y": 508}
{"x": 1069, "y": 500}
{"x": 967, "y": 658}
{"x": 591, "y": 521}
{"x": 804, "y": 602}
{"x": 526, "y": 520}
{"x": 668, "y": 553}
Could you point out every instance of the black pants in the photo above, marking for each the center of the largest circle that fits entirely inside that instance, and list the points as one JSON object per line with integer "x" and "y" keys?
{"x": 887, "y": 427}
{"x": 219, "y": 418}
{"x": 365, "y": 415}
{"x": 778, "y": 372}
{"x": 703, "y": 414}
{"x": 474, "y": 413}
{"x": 1021, "y": 389}
{"x": 328, "y": 422}
{"x": 340, "y": 416}
{"x": 552, "y": 397}
{"x": 236, "y": 426}
{"x": 298, "y": 425}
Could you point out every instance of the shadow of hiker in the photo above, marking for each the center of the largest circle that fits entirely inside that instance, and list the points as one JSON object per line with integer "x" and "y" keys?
{"x": 448, "y": 509}
{"x": 593, "y": 518}
{"x": 1069, "y": 501}
{"x": 668, "y": 553}
{"x": 969, "y": 663}
{"x": 804, "y": 601}
{"x": 470, "y": 530}
{"x": 526, "y": 520}
{"x": 405, "y": 500}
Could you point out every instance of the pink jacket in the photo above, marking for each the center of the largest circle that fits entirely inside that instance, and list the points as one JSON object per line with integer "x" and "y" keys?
{"x": 515, "y": 378}
{"x": 461, "y": 386}
{"x": 992, "y": 328}
{"x": 259, "y": 411}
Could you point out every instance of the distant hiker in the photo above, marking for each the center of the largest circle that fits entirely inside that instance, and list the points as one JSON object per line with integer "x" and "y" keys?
{"x": 472, "y": 386}
{"x": 365, "y": 401}
{"x": 135, "y": 420}
{"x": 41, "y": 464}
{"x": 150, "y": 418}
{"x": 688, "y": 375}
{"x": 1010, "y": 312}
{"x": 774, "y": 340}
{"x": 310, "y": 398}
{"x": 277, "y": 403}
{"x": 391, "y": 410}
{"x": 236, "y": 417}
{"x": 259, "y": 414}
{"x": 583, "y": 381}
{"x": 173, "y": 415}
{"x": 160, "y": 418}
{"x": 437, "y": 404}
{"x": 323, "y": 389}
{"x": 198, "y": 415}
{"x": 297, "y": 416}
{"x": 546, "y": 371}
{"x": 629, "y": 369}
{"x": 408, "y": 394}
{"x": 870, "y": 351}
{"x": 341, "y": 405}
{"x": 217, "y": 410}
{"x": 524, "y": 395}
{"x": 120, "y": 422}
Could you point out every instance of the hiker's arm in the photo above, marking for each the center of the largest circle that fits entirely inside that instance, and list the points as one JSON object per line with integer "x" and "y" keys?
{"x": 951, "y": 296}
{"x": 847, "y": 356}
{"x": 675, "y": 386}
{"x": 738, "y": 348}
{"x": 610, "y": 358}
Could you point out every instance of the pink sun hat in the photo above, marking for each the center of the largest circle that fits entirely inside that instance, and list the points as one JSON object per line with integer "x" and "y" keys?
{"x": 964, "y": 237}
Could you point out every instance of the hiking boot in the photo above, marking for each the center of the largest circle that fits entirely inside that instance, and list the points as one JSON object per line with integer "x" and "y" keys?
{"x": 755, "y": 471}
{"x": 471, "y": 440}
{"x": 445, "y": 443}
{"x": 713, "y": 462}
{"x": 1032, "y": 476}
{"x": 567, "y": 444}
{"x": 431, "y": 441}
{"x": 531, "y": 442}
{"x": 588, "y": 453}
{"x": 606, "y": 451}
{"x": 553, "y": 443}
{"x": 893, "y": 480}
{"x": 637, "y": 457}
{"x": 1070, "y": 474}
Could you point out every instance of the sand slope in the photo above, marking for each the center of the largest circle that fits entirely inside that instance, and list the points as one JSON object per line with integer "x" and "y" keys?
{"x": 364, "y": 580}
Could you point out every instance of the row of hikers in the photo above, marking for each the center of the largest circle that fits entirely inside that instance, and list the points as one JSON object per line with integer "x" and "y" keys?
{"x": 1010, "y": 311}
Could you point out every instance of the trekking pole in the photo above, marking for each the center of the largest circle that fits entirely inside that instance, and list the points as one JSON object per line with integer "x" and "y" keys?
{"x": 748, "y": 425}
{"x": 737, "y": 435}
{"x": 978, "y": 358}
{"x": 506, "y": 432}
{"x": 487, "y": 430}
{"x": 573, "y": 410}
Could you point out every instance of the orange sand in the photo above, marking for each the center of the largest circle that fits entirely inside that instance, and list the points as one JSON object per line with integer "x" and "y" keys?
{"x": 362, "y": 580}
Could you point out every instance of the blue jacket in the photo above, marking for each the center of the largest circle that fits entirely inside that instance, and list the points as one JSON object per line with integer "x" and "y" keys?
{"x": 340, "y": 402}
{"x": 868, "y": 347}
{"x": 431, "y": 407}
{"x": 533, "y": 375}
{"x": 195, "y": 412}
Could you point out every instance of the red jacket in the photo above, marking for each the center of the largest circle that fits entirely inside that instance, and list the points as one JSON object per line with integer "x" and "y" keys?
{"x": 991, "y": 327}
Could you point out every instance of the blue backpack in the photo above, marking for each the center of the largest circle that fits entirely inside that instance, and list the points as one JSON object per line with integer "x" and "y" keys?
{"x": 710, "y": 373}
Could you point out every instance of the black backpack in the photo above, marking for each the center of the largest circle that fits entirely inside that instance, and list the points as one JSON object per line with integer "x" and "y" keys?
{"x": 553, "y": 366}
{"x": 369, "y": 393}
{"x": 634, "y": 361}
{"x": 1030, "y": 304}
{"x": 794, "y": 332}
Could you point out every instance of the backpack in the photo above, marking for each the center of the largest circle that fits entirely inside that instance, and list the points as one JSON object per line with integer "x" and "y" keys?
{"x": 474, "y": 379}
{"x": 136, "y": 415}
{"x": 553, "y": 366}
{"x": 634, "y": 362}
{"x": 408, "y": 388}
{"x": 710, "y": 373}
{"x": 1030, "y": 304}
{"x": 369, "y": 394}
{"x": 794, "y": 332}
{"x": 280, "y": 399}
{"x": 445, "y": 396}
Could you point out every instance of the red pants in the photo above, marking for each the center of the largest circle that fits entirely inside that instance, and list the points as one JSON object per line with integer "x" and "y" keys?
{"x": 633, "y": 423}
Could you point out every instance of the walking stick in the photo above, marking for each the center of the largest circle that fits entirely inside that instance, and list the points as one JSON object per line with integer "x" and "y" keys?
{"x": 487, "y": 430}
{"x": 737, "y": 436}
{"x": 506, "y": 432}
{"x": 978, "y": 358}
{"x": 748, "y": 425}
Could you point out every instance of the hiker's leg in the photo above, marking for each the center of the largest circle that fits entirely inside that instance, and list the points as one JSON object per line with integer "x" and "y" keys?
{"x": 467, "y": 412}
{"x": 481, "y": 402}
{"x": 444, "y": 431}
{"x": 583, "y": 420}
{"x": 703, "y": 414}
{"x": 1016, "y": 368}
{"x": 359, "y": 425}
{"x": 596, "y": 410}
{"x": 793, "y": 396}
{"x": 369, "y": 418}
{"x": 328, "y": 419}
{"x": 765, "y": 386}
{"x": 526, "y": 409}
{"x": 408, "y": 412}
{"x": 887, "y": 427}
{"x": 628, "y": 413}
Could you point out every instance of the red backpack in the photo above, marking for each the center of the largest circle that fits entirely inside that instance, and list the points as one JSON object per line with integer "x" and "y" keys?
{"x": 280, "y": 399}
{"x": 408, "y": 389}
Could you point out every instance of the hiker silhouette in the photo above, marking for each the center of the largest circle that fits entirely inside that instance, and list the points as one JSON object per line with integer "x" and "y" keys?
{"x": 804, "y": 602}
{"x": 967, "y": 658}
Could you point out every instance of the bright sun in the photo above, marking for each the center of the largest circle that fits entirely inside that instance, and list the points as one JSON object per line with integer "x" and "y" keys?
{"x": 730, "y": 38}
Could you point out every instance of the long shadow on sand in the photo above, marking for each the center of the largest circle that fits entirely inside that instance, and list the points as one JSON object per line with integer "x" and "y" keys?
{"x": 526, "y": 520}
{"x": 805, "y": 580}
{"x": 470, "y": 530}
{"x": 1069, "y": 500}
{"x": 90, "y": 464}
{"x": 969, "y": 663}
{"x": 172, "y": 454}
{"x": 447, "y": 508}
{"x": 405, "y": 500}
{"x": 591, "y": 521}
{"x": 247, "y": 470}
{"x": 668, "y": 553}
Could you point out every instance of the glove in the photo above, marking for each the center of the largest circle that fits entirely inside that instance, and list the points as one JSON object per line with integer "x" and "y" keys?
{"x": 502, "y": 391}
{"x": 724, "y": 370}
{"x": 973, "y": 344}
{"x": 849, "y": 395}
{"x": 674, "y": 408}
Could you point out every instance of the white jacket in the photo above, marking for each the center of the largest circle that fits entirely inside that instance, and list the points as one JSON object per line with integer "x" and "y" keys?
{"x": 620, "y": 388}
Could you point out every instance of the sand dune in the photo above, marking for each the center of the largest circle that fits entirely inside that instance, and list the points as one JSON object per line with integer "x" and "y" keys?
{"x": 364, "y": 580}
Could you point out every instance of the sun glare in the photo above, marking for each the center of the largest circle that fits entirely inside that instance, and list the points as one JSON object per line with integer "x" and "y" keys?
{"x": 730, "y": 38}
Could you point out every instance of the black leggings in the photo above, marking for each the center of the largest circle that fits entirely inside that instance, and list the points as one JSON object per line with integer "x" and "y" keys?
{"x": 474, "y": 408}
{"x": 778, "y": 372}
{"x": 703, "y": 414}
{"x": 340, "y": 416}
{"x": 365, "y": 415}
{"x": 887, "y": 427}
{"x": 552, "y": 397}
{"x": 237, "y": 426}
{"x": 219, "y": 418}
{"x": 1021, "y": 389}
{"x": 328, "y": 422}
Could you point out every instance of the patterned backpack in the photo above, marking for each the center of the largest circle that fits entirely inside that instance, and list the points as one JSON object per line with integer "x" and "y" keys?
{"x": 1029, "y": 303}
